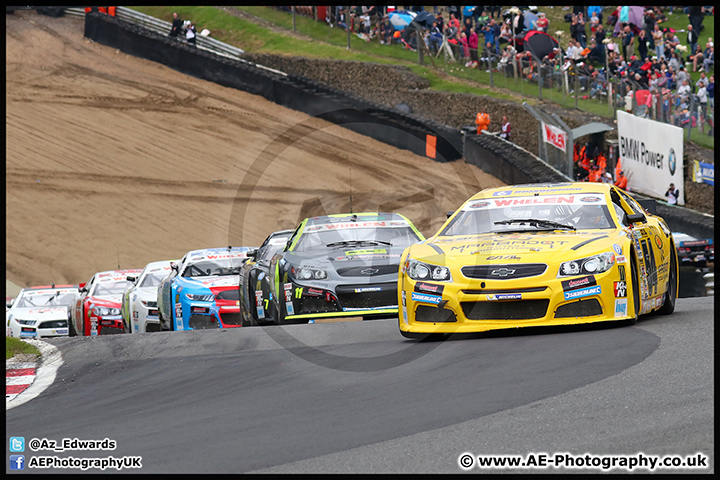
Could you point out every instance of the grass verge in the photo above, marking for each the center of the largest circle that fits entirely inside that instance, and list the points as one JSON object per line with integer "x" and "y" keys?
{"x": 14, "y": 346}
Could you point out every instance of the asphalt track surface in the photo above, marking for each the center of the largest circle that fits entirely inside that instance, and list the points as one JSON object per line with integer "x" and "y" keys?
{"x": 356, "y": 397}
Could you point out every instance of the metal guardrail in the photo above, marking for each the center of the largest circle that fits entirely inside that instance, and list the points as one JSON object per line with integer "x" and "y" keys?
{"x": 162, "y": 27}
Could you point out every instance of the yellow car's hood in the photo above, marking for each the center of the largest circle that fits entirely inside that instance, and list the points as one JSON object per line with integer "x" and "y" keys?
{"x": 543, "y": 247}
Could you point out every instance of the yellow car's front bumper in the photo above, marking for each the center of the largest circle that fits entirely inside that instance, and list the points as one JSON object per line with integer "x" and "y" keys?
{"x": 469, "y": 305}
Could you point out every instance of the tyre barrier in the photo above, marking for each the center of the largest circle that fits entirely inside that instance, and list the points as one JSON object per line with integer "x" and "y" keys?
{"x": 292, "y": 91}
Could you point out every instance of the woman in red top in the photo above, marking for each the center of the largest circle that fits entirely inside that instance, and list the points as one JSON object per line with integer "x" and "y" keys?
{"x": 473, "y": 44}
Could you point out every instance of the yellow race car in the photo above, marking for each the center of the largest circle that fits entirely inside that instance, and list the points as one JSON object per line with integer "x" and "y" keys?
{"x": 538, "y": 254}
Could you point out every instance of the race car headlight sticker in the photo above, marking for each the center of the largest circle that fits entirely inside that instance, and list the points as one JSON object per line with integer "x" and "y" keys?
{"x": 423, "y": 271}
{"x": 305, "y": 273}
{"x": 25, "y": 322}
{"x": 200, "y": 297}
{"x": 590, "y": 265}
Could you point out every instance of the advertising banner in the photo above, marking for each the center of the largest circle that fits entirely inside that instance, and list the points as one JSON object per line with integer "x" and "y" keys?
{"x": 554, "y": 136}
{"x": 704, "y": 172}
{"x": 651, "y": 154}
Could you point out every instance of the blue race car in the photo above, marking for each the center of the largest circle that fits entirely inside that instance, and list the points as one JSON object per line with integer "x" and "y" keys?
{"x": 202, "y": 290}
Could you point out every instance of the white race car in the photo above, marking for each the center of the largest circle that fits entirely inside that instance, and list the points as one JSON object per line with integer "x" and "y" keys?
{"x": 40, "y": 312}
{"x": 139, "y": 309}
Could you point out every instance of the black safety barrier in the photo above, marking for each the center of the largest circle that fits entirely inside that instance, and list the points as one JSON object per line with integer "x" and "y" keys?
{"x": 420, "y": 136}
{"x": 507, "y": 162}
{"x": 684, "y": 220}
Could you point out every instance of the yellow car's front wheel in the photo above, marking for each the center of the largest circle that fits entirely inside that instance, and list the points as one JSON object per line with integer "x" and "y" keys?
{"x": 635, "y": 279}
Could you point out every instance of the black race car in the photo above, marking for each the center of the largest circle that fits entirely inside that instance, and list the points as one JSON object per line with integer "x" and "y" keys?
{"x": 340, "y": 266}
{"x": 256, "y": 307}
{"x": 694, "y": 251}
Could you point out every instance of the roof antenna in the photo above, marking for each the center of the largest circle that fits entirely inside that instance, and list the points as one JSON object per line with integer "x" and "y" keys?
{"x": 351, "y": 203}
{"x": 118, "y": 255}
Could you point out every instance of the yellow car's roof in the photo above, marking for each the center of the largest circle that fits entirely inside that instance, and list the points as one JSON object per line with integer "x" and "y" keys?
{"x": 542, "y": 188}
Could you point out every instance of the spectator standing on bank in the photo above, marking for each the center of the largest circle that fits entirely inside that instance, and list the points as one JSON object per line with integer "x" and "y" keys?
{"x": 702, "y": 98}
{"x": 711, "y": 92}
{"x": 465, "y": 47}
{"x": 582, "y": 34}
{"x": 454, "y": 22}
{"x": 681, "y": 76}
{"x": 666, "y": 106}
{"x": 177, "y": 24}
{"x": 658, "y": 39}
{"x": 672, "y": 194}
{"x": 473, "y": 45}
{"x": 642, "y": 45}
{"x": 692, "y": 39}
{"x": 628, "y": 42}
{"x": 594, "y": 22}
{"x": 505, "y": 129}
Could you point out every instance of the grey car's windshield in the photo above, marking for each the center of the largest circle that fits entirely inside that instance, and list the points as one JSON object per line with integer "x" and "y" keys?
{"x": 370, "y": 237}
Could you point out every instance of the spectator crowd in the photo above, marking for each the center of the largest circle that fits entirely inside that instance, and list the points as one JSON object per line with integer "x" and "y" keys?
{"x": 633, "y": 56}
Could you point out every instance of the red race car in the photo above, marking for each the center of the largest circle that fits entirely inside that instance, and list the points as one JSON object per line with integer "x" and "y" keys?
{"x": 96, "y": 308}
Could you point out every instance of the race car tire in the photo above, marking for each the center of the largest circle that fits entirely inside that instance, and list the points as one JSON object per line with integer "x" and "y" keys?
{"x": 253, "y": 314}
{"x": 277, "y": 317}
{"x": 669, "y": 305}
{"x": 635, "y": 280}
{"x": 71, "y": 328}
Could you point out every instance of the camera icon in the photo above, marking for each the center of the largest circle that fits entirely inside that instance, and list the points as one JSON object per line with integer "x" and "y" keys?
{"x": 17, "y": 444}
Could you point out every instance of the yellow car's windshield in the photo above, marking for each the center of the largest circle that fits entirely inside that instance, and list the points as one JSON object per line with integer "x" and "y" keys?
{"x": 553, "y": 212}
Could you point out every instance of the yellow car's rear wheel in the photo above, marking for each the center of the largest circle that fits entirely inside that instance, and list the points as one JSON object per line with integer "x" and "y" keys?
{"x": 669, "y": 305}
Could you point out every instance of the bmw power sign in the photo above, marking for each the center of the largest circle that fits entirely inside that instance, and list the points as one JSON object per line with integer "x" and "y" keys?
{"x": 651, "y": 154}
